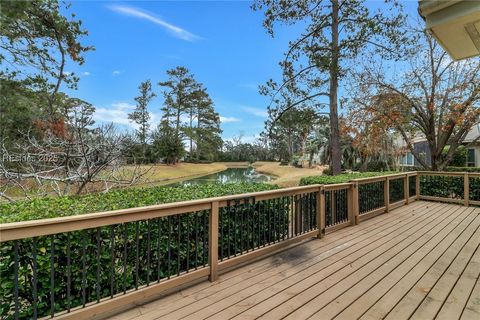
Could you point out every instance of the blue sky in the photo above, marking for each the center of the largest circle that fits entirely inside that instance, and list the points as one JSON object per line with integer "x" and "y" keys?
{"x": 222, "y": 43}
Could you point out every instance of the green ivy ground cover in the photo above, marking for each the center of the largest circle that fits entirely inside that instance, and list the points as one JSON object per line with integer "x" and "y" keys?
{"x": 118, "y": 199}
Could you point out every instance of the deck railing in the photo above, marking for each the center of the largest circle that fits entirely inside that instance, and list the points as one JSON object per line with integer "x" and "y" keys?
{"x": 90, "y": 265}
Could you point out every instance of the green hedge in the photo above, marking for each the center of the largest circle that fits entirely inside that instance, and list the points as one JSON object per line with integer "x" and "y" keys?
{"x": 118, "y": 199}
{"x": 344, "y": 177}
{"x": 447, "y": 169}
{"x": 131, "y": 254}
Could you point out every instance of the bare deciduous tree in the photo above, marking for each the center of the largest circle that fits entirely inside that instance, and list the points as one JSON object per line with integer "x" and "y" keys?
{"x": 435, "y": 96}
{"x": 69, "y": 161}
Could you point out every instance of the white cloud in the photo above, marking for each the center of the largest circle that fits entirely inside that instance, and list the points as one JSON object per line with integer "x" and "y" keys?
{"x": 172, "y": 29}
{"x": 256, "y": 112}
{"x": 86, "y": 73}
{"x": 118, "y": 114}
{"x": 229, "y": 119}
{"x": 116, "y": 72}
{"x": 245, "y": 139}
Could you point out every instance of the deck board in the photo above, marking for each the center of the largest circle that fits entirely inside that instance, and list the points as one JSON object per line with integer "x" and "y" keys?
{"x": 373, "y": 270}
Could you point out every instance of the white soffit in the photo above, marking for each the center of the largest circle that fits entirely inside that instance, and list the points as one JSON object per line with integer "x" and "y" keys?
{"x": 455, "y": 24}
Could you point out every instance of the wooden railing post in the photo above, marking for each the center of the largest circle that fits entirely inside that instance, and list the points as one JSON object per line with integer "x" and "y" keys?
{"x": 353, "y": 203}
{"x": 350, "y": 205}
{"x": 466, "y": 189}
{"x": 213, "y": 242}
{"x": 321, "y": 212}
{"x": 406, "y": 190}
{"x": 386, "y": 194}
{"x": 417, "y": 187}
{"x": 356, "y": 206}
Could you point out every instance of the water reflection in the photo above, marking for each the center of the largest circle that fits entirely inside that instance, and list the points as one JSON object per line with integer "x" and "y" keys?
{"x": 230, "y": 175}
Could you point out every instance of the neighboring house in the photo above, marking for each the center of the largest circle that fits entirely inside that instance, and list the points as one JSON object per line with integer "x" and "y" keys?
{"x": 420, "y": 145}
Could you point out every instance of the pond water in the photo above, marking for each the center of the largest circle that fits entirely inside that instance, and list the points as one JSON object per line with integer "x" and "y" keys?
{"x": 231, "y": 175}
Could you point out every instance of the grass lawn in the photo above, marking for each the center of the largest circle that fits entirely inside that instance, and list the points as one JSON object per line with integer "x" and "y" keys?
{"x": 286, "y": 176}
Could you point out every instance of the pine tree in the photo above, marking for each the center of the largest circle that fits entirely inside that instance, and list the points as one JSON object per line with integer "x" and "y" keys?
{"x": 184, "y": 96}
{"x": 141, "y": 116}
{"x": 208, "y": 131}
{"x": 178, "y": 88}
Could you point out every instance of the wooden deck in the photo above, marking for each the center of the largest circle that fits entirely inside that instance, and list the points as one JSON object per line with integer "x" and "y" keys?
{"x": 421, "y": 261}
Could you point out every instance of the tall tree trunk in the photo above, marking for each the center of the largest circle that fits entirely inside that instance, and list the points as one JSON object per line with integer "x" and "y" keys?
{"x": 191, "y": 133}
{"x": 335, "y": 159}
{"x": 197, "y": 150}
{"x": 144, "y": 141}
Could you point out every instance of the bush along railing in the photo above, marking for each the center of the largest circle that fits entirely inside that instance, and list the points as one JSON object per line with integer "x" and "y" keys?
{"x": 456, "y": 187}
{"x": 95, "y": 264}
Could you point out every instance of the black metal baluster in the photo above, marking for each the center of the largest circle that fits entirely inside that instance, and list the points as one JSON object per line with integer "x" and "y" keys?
{"x": 311, "y": 205}
{"x": 196, "y": 240}
{"x": 159, "y": 264}
{"x": 294, "y": 210}
{"x": 112, "y": 260}
{"x": 125, "y": 248}
{"x": 284, "y": 217}
{"x": 69, "y": 272}
{"x": 274, "y": 220}
{"x": 137, "y": 252}
{"x": 271, "y": 219}
{"x": 229, "y": 227}
{"x": 304, "y": 213}
{"x": 298, "y": 214}
{"x": 264, "y": 224}
{"x": 220, "y": 232}
{"x": 245, "y": 225}
{"x": 291, "y": 213}
{"x": 99, "y": 249}
{"x": 287, "y": 200}
{"x": 337, "y": 205}
{"x": 15, "y": 277}
{"x": 252, "y": 218}
{"x": 251, "y": 226}
{"x": 34, "y": 291}
{"x": 312, "y": 213}
{"x": 188, "y": 241}
{"x": 235, "y": 249}
{"x": 169, "y": 260}
{"x": 148, "y": 251}
{"x": 242, "y": 226}
{"x": 84, "y": 268}
{"x": 205, "y": 237}
{"x": 268, "y": 221}
{"x": 257, "y": 209}
{"x": 52, "y": 275}
{"x": 179, "y": 220}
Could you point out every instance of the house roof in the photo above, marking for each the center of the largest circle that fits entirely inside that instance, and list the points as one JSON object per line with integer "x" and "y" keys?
{"x": 473, "y": 134}
{"x": 455, "y": 24}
